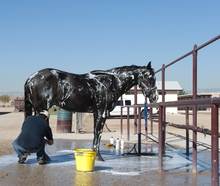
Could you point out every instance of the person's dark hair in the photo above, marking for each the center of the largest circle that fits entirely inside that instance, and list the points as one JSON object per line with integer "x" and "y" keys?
{"x": 43, "y": 116}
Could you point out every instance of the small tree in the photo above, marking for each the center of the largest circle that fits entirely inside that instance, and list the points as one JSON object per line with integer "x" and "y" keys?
{"x": 5, "y": 98}
{"x": 182, "y": 92}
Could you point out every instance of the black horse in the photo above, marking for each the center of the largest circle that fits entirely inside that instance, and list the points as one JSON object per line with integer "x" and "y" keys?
{"x": 96, "y": 92}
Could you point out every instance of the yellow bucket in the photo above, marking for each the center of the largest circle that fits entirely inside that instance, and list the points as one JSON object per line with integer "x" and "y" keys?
{"x": 85, "y": 159}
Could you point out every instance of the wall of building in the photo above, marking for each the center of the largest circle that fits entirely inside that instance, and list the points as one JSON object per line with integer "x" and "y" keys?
{"x": 169, "y": 96}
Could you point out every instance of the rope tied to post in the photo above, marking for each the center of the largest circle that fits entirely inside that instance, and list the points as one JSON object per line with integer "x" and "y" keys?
{"x": 204, "y": 131}
{"x": 195, "y": 129}
{"x": 165, "y": 124}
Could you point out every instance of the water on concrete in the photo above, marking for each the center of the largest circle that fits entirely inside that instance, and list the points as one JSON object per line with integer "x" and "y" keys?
{"x": 115, "y": 170}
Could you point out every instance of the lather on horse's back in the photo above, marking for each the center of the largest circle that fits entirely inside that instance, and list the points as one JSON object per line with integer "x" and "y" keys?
{"x": 96, "y": 92}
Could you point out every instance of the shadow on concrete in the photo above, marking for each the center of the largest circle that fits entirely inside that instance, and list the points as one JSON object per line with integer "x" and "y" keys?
{"x": 203, "y": 156}
{"x": 99, "y": 168}
{"x": 2, "y": 113}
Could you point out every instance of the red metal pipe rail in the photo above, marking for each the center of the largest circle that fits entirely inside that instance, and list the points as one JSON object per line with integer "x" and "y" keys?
{"x": 187, "y": 54}
{"x": 162, "y": 115}
{"x": 187, "y": 130}
{"x": 190, "y": 127}
{"x": 205, "y": 101}
{"x": 214, "y": 146}
{"x": 215, "y": 102}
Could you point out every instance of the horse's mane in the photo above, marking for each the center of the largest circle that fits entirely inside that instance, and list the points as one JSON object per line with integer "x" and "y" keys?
{"x": 131, "y": 68}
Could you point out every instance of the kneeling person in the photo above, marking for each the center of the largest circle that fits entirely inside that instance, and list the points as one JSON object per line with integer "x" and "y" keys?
{"x": 31, "y": 138}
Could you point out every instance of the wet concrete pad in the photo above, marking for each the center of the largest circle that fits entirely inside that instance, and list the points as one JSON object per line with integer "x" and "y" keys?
{"x": 115, "y": 170}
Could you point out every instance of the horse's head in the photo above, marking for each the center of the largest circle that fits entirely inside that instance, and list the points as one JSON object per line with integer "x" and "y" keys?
{"x": 147, "y": 81}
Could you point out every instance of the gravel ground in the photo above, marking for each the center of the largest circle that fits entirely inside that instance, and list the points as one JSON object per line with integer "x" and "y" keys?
{"x": 178, "y": 170}
{"x": 11, "y": 122}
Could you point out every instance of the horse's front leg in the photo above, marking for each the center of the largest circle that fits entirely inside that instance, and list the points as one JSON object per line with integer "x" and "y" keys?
{"x": 98, "y": 126}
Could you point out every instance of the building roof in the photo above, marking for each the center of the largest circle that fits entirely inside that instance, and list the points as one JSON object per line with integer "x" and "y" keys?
{"x": 169, "y": 85}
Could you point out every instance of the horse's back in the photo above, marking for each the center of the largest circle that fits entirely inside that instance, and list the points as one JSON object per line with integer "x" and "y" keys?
{"x": 49, "y": 87}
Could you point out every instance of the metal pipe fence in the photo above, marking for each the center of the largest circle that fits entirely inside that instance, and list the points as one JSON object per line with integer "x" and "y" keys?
{"x": 212, "y": 102}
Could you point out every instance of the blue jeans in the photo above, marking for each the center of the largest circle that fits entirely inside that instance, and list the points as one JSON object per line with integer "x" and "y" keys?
{"x": 22, "y": 151}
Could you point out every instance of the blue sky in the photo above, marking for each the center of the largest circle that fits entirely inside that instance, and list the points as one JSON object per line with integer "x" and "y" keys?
{"x": 81, "y": 36}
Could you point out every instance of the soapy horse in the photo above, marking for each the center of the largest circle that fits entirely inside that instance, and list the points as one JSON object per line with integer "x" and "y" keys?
{"x": 95, "y": 92}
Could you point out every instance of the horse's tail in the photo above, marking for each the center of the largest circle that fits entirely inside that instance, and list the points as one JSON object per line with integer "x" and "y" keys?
{"x": 27, "y": 104}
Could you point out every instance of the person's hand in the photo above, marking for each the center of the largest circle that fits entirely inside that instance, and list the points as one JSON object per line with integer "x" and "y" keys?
{"x": 49, "y": 142}
{"x": 46, "y": 141}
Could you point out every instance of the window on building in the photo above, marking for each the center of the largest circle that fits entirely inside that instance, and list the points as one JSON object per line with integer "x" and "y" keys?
{"x": 119, "y": 103}
{"x": 160, "y": 93}
{"x": 127, "y": 102}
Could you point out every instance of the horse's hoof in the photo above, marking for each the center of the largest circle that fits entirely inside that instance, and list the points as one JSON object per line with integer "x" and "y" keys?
{"x": 99, "y": 157}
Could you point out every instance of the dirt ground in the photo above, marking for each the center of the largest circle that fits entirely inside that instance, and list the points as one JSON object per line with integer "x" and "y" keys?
{"x": 11, "y": 122}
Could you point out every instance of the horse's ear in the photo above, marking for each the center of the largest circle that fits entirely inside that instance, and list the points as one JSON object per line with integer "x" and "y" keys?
{"x": 149, "y": 65}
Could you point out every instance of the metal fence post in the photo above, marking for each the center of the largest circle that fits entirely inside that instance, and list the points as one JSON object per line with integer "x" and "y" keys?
{"x": 160, "y": 136}
{"x": 214, "y": 145}
{"x": 195, "y": 109}
{"x": 164, "y": 108}
{"x": 139, "y": 130}
{"x": 150, "y": 115}
{"x": 135, "y": 109}
{"x": 128, "y": 125}
{"x": 187, "y": 130}
{"x": 121, "y": 115}
{"x": 146, "y": 127}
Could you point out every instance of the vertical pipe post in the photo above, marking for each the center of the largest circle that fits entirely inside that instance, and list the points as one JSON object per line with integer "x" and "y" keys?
{"x": 195, "y": 109}
{"x": 187, "y": 130}
{"x": 151, "y": 122}
{"x": 163, "y": 111}
{"x": 214, "y": 145}
{"x": 121, "y": 116}
{"x": 135, "y": 109}
{"x": 128, "y": 125}
{"x": 160, "y": 145}
{"x": 139, "y": 130}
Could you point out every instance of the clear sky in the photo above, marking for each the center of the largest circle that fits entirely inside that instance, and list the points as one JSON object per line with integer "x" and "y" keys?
{"x": 79, "y": 36}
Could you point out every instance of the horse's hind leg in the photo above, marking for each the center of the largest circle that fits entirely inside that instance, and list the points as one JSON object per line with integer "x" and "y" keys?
{"x": 98, "y": 126}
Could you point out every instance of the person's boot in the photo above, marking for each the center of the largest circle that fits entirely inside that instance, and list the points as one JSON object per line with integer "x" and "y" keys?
{"x": 46, "y": 157}
{"x": 41, "y": 161}
{"x": 22, "y": 159}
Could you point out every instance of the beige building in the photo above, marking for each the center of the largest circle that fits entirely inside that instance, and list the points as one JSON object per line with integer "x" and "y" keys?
{"x": 171, "y": 89}
{"x": 199, "y": 96}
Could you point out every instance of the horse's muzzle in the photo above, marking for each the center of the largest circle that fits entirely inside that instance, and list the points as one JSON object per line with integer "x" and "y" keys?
{"x": 153, "y": 96}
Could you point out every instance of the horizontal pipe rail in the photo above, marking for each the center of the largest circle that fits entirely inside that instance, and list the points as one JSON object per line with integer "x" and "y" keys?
{"x": 187, "y": 54}
{"x": 154, "y": 120}
{"x": 205, "y": 101}
{"x": 135, "y": 106}
{"x": 190, "y": 127}
{"x": 210, "y": 102}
